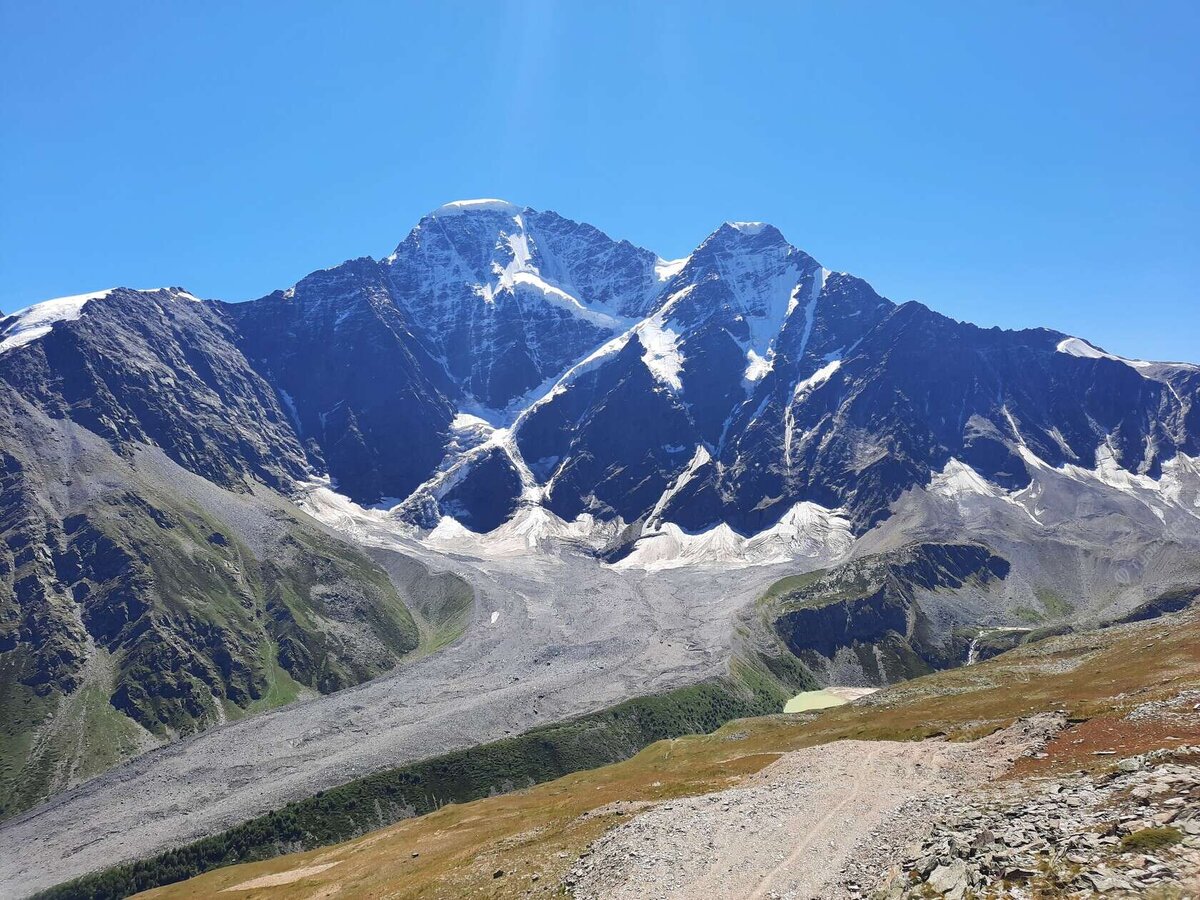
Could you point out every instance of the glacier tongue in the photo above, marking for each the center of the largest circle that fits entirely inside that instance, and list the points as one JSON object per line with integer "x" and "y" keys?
{"x": 806, "y": 532}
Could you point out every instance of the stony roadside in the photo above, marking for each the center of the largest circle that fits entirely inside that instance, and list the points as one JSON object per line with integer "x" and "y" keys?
{"x": 1132, "y": 831}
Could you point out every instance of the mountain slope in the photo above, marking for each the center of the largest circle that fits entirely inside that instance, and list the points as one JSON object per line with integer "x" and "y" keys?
{"x": 1121, "y": 688}
{"x": 151, "y": 582}
{"x": 517, "y": 394}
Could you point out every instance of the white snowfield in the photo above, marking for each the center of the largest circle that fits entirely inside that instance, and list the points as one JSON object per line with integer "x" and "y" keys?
{"x": 35, "y": 321}
{"x": 1173, "y": 499}
{"x": 807, "y": 533}
{"x": 662, "y": 357}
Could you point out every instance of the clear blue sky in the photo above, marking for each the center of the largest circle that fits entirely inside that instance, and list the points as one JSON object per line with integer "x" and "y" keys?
{"x": 1024, "y": 164}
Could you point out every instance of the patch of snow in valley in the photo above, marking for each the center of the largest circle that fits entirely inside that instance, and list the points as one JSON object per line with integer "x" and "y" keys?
{"x": 807, "y": 531}
{"x": 531, "y": 530}
{"x": 757, "y": 366}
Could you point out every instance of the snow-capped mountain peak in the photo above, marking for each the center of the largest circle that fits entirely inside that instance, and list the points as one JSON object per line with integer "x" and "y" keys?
{"x": 461, "y": 207}
{"x": 520, "y": 359}
{"x": 510, "y": 297}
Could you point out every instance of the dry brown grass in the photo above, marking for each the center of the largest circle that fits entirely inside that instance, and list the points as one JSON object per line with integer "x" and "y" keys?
{"x": 458, "y": 851}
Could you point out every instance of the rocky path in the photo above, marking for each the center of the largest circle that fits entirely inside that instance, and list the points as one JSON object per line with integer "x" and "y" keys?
{"x": 796, "y": 828}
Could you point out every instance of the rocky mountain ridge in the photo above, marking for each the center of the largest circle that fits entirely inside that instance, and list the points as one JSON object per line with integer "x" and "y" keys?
{"x": 522, "y": 359}
{"x": 509, "y": 382}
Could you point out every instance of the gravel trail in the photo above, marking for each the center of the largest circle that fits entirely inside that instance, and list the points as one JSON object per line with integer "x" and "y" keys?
{"x": 789, "y": 832}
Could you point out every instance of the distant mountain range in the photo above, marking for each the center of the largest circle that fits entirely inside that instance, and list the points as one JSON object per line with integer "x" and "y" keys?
{"x": 507, "y": 380}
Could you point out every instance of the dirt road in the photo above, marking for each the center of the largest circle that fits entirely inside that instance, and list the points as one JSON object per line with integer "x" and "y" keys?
{"x": 791, "y": 830}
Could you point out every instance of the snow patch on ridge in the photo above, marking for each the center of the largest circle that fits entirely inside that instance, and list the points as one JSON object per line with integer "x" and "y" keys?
{"x": 748, "y": 227}
{"x": 29, "y": 324}
{"x": 666, "y": 269}
{"x": 33, "y": 322}
{"x": 1074, "y": 346}
{"x": 560, "y": 298}
{"x": 459, "y": 207}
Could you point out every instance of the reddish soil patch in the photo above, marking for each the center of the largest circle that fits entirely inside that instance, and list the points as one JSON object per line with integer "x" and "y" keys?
{"x": 1084, "y": 746}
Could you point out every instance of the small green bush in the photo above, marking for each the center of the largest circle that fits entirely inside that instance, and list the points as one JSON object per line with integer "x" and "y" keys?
{"x": 1150, "y": 839}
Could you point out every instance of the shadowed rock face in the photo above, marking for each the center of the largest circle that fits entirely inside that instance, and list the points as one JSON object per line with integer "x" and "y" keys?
{"x": 363, "y": 394}
{"x": 152, "y": 367}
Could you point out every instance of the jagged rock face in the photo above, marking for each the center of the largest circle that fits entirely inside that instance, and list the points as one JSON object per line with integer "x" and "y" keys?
{"x": 612, "y": 371}
{"x": 508, "y": 298}
{"x": 724, "y": 388}
{"x": 156, "y": 367}
{"x": 362, "y": 392}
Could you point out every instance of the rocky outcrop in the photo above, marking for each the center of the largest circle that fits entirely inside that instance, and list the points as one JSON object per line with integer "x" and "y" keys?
{"x": 866, "y": 615}
{"x": 1130, "y": 832}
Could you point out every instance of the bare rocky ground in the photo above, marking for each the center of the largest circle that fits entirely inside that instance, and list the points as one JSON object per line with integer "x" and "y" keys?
{"x": 798, "y": 827}
{"x": 552, "y": 637}
{"x": 1134, "y": 832}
